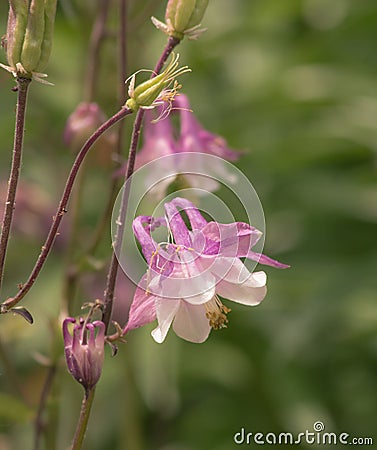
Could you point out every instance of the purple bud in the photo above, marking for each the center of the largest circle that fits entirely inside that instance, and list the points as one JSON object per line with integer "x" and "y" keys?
{"x": 84, "y": 350}
{"x": 81, "y": 124}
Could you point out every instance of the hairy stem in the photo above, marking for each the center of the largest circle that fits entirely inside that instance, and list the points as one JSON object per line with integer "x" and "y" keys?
{"x": 62, "y": 209}
{"x": 117, "y": 244}
{"x": 82, "y": 423}
{"x": 22, "y": 90}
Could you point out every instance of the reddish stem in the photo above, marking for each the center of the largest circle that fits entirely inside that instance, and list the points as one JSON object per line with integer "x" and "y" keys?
{"x": 113, "y": 269}
{"x": 22, "y": 90}
{"x": 62, "y": 209}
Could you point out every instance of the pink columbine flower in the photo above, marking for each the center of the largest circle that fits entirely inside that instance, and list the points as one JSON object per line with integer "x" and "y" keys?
{"x": 194, "y": 138}
{"x": 186, "y": 277}
{"x": 188, "y": 152}
{"x": 84, "y": 350}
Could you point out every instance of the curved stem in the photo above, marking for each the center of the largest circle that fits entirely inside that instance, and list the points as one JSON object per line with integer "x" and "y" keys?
{"x": 62, "y": 209}
{"x": 113, "y": 269}
{"x": 22, "y": 90}
{"x": 82, "y": 423}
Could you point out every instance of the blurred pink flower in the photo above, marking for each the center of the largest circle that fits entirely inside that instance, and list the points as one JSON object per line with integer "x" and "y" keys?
{"x": 190, "y": 149}
{"x": 81, "y": 124}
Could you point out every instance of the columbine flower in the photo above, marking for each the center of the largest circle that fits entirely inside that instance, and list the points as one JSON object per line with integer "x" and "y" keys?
{"x": 84, "y": 350}
{"x": 194, "y": 138}
{"x": 185, "y": 279}
{"x": 194, "y": 141}
{"x": 189, "y": 163}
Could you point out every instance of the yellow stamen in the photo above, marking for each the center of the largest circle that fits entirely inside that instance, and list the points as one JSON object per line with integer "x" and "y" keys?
{"x": 216, "y": 313}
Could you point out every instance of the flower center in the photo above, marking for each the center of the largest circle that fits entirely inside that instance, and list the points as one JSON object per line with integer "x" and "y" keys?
{"x": 217, "y": 313}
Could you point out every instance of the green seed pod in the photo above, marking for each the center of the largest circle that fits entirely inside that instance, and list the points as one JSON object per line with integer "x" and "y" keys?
{"x": 17, "y": 21}
{"x": 50, "y": 11}
{"x": 32, "y": 46}
{"x": 146, "y": 93}
{"x": 197, "y": 14}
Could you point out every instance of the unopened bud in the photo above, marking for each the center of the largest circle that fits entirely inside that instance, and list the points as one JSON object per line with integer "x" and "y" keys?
{"x": 17, "y": 20}
{"x": 183, "y": 17}
{"x": 81, "y": 124}
{"x": 29, "y": 36}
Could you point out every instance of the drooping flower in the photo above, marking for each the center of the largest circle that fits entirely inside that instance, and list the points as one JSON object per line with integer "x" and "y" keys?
{"x": 187, "y": 161}
{"x": 194, "y": 138}
{"x": 84, "y": 350}
{"x": 186, "y": 277}
{"x": 194, "y": 143}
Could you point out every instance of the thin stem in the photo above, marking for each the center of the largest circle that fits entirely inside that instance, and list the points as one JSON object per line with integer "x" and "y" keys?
{"x": 22, "y": 90}
{"x": 96, "y": 38}
{"x": 118, "y": 238}
{"x": 170, "y": 46}
{"x": 38, "y": 422}
{"x": 122, "y": 92}
{"x": 82, "y": 423}
{"x": 62, "y": 209}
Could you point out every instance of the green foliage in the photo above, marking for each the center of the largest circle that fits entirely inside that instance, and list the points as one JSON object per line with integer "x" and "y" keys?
{"x": 294, "y": 84}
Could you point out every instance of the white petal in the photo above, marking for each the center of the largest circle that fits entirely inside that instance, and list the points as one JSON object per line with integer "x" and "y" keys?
{"x": 165, "y": 311}
{"x": 225, "y": 268}
{"x": 189, "y": 284}
{"x": 191, "y": 323}
{"x": 250, "y": 292}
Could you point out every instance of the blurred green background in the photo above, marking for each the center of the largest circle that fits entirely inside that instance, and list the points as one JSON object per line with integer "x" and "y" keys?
{"x": 294, "y": 83}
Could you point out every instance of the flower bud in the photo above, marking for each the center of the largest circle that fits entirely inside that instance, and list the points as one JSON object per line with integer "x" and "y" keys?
{"x": 81, "y": 124}
{"x": 84, "y": 351}
{"x": 151, "y": 92}
{"x": 183, "y": 17}
{"x": 29, "y": 36}
{"x": 17, "y": 20}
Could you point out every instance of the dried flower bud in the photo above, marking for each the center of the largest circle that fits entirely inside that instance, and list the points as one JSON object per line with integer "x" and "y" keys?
{"x": 183, "y": 17}
{"x": 84, "y": 351}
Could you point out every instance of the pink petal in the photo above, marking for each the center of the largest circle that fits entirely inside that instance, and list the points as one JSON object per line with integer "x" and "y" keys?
{"x": 191, "y": 323}
{"x": 266, "y": 260}
{"x": 234, "y": 239}
{"x": 196, "y": 219}
{"x": 177, "y": 225}
{"x": 142, "y": 310}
